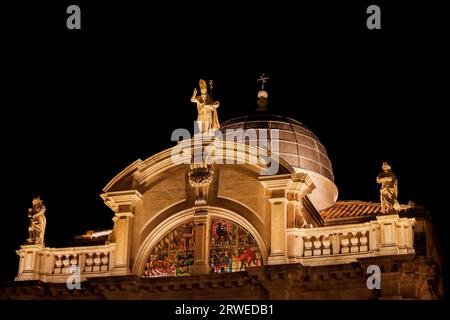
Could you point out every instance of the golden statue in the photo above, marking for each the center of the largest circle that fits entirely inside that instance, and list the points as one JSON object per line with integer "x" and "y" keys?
{"x": 37, "y": 222}
{"x": 207, "y": 118}
{"x": 389, "y": 189}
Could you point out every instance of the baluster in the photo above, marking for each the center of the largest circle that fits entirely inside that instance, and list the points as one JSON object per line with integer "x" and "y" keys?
{"x": 317, "y": 247}
{"x": 74, "y": 260}
{"x": 308, "y": 247}
{"x": 354, "y": 243}
{"x": 326, "y": 242}
{"x": 58, "y": 264}
{"x": 66, "y": 263}
{"x": 89, "y": 262}
{"x": 345, "y": 244}
{"x": 363, "y": 241}
{"x": 97, "y": 262}
{"x": 105, "y": 261}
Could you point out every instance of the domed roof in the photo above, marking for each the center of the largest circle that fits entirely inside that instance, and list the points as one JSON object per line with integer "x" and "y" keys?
{"x": 297, "y": 144}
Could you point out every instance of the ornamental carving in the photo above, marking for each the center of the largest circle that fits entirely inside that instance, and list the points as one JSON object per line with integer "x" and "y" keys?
{"x": 201, "y": 176}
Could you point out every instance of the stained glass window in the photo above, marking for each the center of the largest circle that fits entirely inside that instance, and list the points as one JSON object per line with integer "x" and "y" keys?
{"x": 232, "y": 248}
{"x": 173, "y": 255}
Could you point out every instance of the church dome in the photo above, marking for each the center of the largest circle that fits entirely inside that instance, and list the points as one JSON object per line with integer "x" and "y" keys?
{"x": 296, "y": 144}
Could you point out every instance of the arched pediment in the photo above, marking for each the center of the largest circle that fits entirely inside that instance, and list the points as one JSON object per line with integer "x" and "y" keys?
{"x": 140, "y": 174}
{"x": 236, "y": 191}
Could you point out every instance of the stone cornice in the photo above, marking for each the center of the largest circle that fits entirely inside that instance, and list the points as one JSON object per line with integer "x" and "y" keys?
{"x": 276, "y": 183}
{"x": 117, "y": 199}
{"x": 299, "y": 183}
{"x": 400, "y": 276}
{"x": 135, "y": 167}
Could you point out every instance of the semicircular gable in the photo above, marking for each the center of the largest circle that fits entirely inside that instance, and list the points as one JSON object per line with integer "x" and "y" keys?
{"x": 139, "y": 174}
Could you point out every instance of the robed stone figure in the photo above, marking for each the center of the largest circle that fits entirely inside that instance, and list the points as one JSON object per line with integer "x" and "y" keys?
{"x": 37, "y": 222}
{"x": 207, "y": 118}
{"x": 388, "y": 190}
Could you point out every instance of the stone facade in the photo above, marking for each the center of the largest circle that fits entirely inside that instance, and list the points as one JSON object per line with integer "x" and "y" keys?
{"x": 293, "y": 248}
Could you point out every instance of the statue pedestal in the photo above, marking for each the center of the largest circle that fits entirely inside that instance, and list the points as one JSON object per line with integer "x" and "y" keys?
{"x": 29, "y": 262}
{"x": 389, "y": 237}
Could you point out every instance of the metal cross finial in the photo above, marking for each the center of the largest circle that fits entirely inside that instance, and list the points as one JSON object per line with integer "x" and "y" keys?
{"x": 263, "y": 80}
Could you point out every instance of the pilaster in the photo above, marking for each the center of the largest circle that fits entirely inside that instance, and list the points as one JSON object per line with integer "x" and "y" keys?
{"x": 201, "y": 252}
{"x": 286, "y": 194}
{"x": 123, "y": 203}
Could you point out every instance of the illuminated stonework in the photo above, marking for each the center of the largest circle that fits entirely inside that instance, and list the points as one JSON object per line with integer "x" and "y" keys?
{"x": 237, "y": 233}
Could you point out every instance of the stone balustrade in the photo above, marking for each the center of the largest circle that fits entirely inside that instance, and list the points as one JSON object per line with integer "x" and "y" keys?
{"x": 337, "y": 244}
{"x": 330, "y": 245}
{"x": 55, "y": 264}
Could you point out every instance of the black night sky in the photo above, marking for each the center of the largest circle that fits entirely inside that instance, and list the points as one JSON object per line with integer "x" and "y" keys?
{"x": 80, "y": 106}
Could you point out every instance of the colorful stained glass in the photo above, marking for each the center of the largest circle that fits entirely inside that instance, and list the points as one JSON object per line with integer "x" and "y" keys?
{"x": 232, "y": 248}
{"x": 173, "y": 255}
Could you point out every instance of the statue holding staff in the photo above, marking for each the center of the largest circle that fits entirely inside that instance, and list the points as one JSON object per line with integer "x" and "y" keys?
{"x": 207, "y": 118}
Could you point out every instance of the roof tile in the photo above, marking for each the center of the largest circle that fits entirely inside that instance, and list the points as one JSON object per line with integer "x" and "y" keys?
{"x": 352, "y": 209}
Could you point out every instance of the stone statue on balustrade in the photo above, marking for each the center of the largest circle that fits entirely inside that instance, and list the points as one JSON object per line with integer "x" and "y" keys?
{"x": 37, "y": 222}
{"x": 389, "y": 189}
{"x": 207, "y": 119}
